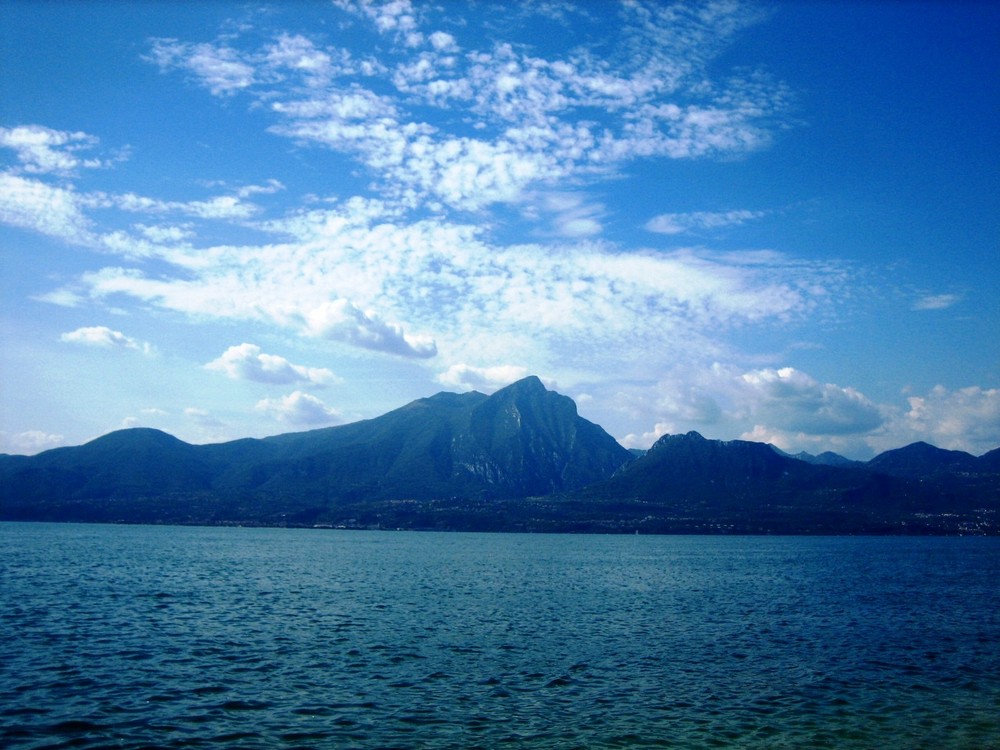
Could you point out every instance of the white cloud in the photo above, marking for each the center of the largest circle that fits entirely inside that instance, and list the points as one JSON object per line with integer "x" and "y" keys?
{"x": 220, "y": 207}
{"x": 539, "y": 120}
{"x": 395, "y": 17}
{"x": 443, "y": 42}
{"x": 54, "y": 211}
{"x": 299, "y": 408}
{"x": 296, "y": 52}
{"x": 700, "y": 220}
{"x": 248, "y": 362}
{"x": 343, "y": 321}
{"x": 559, "y": 306}
{"x": 218, "y": 67}
{"x": 484, "y": 379}
{"x": 790, "y": 400}
{"x": 646, "y": 439}
{"x": 792, "y": 410}
{"x": 937, "y": 301}
{"x": 165, "y": 234}
{"x": 106, "y": 338}
{"x": 29, "y": 442}
{"x": 783, "y": 406}
{"x": 966, "y": 419}
{"x": 572, "y": 215}
{"x": 43, "y": 150}
{"x": 63, "y": 213}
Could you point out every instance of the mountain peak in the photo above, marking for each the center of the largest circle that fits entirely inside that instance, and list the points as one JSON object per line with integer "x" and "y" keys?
{"x": 131, "y": 434}
{"x": 529, "y": 385}
{"x": 671, "y": 439}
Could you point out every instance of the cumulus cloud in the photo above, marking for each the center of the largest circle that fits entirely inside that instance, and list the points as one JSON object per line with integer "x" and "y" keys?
{"x": 343, "y": 321}
{"x": 700, "y": 220}
{"x": 785, "y": 407}
{"x": 484, "y": 379}
{"x": 300, "y": 409}
{"x": 106, "y": 338}
{"x": 395, "y": 17}
{"x": 248, "y": 362}
{"x": 790, "y": 400}
{"x": 965, "y": 419}
{"x": 796, "y": 412}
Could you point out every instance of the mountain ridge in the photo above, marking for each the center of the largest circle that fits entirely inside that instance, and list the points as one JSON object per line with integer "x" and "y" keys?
{"x": 519, "y": 459}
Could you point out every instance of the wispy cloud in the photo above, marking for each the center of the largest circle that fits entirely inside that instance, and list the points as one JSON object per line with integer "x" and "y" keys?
{"x": 700, "y": 220}
{"x": 234, "y": 206}
{"x": 62, "y": 212}
{"x": 936, "y": 301}
{"x": 570, "y": 214}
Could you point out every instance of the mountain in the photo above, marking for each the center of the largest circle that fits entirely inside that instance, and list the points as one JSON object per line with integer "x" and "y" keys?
{"x": 521, "y": 459}
{"x": 523, "y": 440}
{"x": 989, "y": 463}
{"x": 922, "y": 461}
{"x": 687, "y": 483}
{"x": 826, "y": 458}
{"x": 124, "y": 466}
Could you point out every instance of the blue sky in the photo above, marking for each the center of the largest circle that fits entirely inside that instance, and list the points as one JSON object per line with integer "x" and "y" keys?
{"x": 777, "y": 222}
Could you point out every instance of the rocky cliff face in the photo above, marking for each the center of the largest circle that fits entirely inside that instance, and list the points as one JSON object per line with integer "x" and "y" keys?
{"x": 532, "y": 441}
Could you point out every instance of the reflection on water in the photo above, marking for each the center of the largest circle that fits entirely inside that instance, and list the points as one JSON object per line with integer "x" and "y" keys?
{"x": 191, "y": 637}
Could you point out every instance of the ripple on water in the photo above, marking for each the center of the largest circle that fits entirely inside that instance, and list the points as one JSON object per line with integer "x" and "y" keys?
{"x": 269, "y": 638}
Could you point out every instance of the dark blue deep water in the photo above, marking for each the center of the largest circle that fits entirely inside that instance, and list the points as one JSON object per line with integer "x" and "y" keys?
{"x": 130, "y": 636}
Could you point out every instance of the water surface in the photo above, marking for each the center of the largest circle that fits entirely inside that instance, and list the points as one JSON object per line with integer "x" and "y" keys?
{"x": 134, "y": 636}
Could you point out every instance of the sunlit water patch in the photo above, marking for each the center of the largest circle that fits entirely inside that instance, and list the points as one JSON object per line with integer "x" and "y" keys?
{"x": 259, "y": 638}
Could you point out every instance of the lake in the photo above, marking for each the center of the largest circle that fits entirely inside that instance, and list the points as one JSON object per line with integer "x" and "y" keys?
{"x": 148, "y": 636}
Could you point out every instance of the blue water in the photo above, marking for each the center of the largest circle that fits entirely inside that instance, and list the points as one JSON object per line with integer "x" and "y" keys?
{"x": 130, "y": 636}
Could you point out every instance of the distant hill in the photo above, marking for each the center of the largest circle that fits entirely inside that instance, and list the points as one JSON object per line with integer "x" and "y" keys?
{"x": 922, "y": 461}
{"x": 826, "y": 458}
{"x": 686, "y": 483}
{"x": 521, "y": 459}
